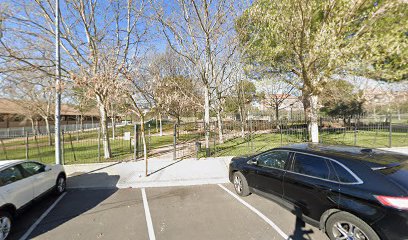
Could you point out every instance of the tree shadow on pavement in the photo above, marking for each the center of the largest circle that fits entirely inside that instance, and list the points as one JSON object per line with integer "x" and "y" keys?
{"x": 73, "y": 204}
{"x": 300, "y": 233}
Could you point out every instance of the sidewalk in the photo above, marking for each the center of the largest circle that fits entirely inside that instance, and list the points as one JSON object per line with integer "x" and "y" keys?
{"x": 162, "y": 172}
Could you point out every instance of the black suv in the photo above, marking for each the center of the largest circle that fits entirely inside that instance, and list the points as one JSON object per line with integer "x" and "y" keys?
{"x": 348, "y": 192}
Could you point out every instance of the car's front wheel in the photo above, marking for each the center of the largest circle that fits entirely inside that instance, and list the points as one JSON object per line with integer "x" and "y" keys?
{"x": 343, "y": 225}
{"x": 61, "y": 184}
{"x": 240, "y": 184}
{"x": 5, "y": 225}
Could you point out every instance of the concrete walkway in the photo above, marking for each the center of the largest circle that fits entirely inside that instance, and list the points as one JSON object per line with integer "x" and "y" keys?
{"x": 162, "y": 173}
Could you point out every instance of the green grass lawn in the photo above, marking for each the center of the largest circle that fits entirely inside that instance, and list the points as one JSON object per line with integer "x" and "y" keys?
{"x": 83, "y": 147}
{"x": 262, "y": 142}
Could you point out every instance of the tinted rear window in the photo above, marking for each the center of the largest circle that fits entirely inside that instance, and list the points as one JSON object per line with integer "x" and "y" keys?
{"x": 311, "y": 166}
{"x": 342, "y": 174}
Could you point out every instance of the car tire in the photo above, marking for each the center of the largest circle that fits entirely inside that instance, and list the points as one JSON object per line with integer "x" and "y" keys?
{"x": 240, "y": 184}
{"x": 6, "y": 223}
{"x": 61, "y": 184}
{"x": 346, "y": 224}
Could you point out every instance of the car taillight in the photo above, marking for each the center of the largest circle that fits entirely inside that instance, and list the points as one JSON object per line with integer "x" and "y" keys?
{"x": 395, "y": 202}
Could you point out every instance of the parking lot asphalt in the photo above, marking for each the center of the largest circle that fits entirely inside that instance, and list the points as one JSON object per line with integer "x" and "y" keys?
{"x": 191, "y": 212}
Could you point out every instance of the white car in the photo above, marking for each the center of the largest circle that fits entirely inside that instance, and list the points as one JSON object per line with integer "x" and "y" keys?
{"x": 21, "y": 182}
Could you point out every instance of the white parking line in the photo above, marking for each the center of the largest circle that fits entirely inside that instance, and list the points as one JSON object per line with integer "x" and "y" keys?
{"x": 148, "y": 216}
{"x": 31, "y": 229}
{"x": 257, "y": 212}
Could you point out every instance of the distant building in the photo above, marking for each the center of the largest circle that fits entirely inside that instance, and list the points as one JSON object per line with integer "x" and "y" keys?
{"x": 290, "y": 103}
{"x": 13, "y": 114}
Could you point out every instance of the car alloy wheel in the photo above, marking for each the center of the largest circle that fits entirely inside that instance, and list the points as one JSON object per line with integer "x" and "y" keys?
{"x": 61, "y": 184}
{"x": 348, "y": 231}
{"x": 238, "y": 184}
{"x": 5, "y": 226}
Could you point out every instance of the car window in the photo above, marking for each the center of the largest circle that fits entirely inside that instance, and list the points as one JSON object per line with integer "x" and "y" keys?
{"x": 32, "y": 168}
{"x": 311, "y": 165}
{"x": 10, "y": 175}
{"x": 275, "y": 159}
{"x": 342, "y": 174}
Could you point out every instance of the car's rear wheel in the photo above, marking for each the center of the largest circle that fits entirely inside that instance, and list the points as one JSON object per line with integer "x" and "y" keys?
{"x": 343, "y": 225}
{"x": 5, "y": 224}
{"x": 61, "y": 184}
{"x": 240, "y": 184}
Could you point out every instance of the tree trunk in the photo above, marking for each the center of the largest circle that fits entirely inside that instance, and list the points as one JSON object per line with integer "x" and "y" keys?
{"x": 104, "y": 129}
{"x": 310, "y": 102}
{"x": 220, "y": 129}
{"x": 157, "y": 129}
{"x": 47, "y": 126}
{"x": 241, "y": 118}
{"x": 207, "y": 119}
{"x": 34, "y": 131}
{"x": 142, "y": 130}
{"x": 277, "y": 112}
{"x": 82, "y": 122}
{"x": 37, "y": 126}
{"x": 161, "y": 126}
{"x": 113, "y": 120}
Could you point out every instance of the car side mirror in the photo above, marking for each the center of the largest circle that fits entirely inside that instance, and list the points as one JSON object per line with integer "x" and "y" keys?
{"x": 47, "y": 168}
{"x": 253, "y": 162}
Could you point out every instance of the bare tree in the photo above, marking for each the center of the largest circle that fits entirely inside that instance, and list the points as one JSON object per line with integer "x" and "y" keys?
{"x": 196, "y": 29}
{"x": 89, "y": 31}
{"x": 276, "y": 92}
{"x": 138, "y": 87}
{"x": 34, "y": 93}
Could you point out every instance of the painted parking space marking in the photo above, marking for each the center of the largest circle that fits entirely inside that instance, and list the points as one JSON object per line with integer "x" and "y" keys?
{"x": 148, "y": 216}
{"x": 31, "y": 229}
{"x": 256, "y": 211}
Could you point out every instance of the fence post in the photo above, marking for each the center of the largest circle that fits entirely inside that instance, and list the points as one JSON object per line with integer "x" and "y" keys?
{"x": 4, "y": 148}
{"x": 135, "y": 141}
{"x": 175, "y": 142}
{"x": 26, "y": 146}
{"x": 390, "y": 134}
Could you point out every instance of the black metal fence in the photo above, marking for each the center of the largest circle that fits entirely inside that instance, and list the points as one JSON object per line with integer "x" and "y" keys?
{"x": 258, "y": 135}
{"x": 188, "y": 139}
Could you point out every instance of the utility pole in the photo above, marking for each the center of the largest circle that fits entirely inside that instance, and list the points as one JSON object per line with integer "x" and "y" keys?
{"x": 57, "y": 86}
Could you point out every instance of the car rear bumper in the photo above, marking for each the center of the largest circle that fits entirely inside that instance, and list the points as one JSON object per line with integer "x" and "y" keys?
{"x": 394, "y": 225}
